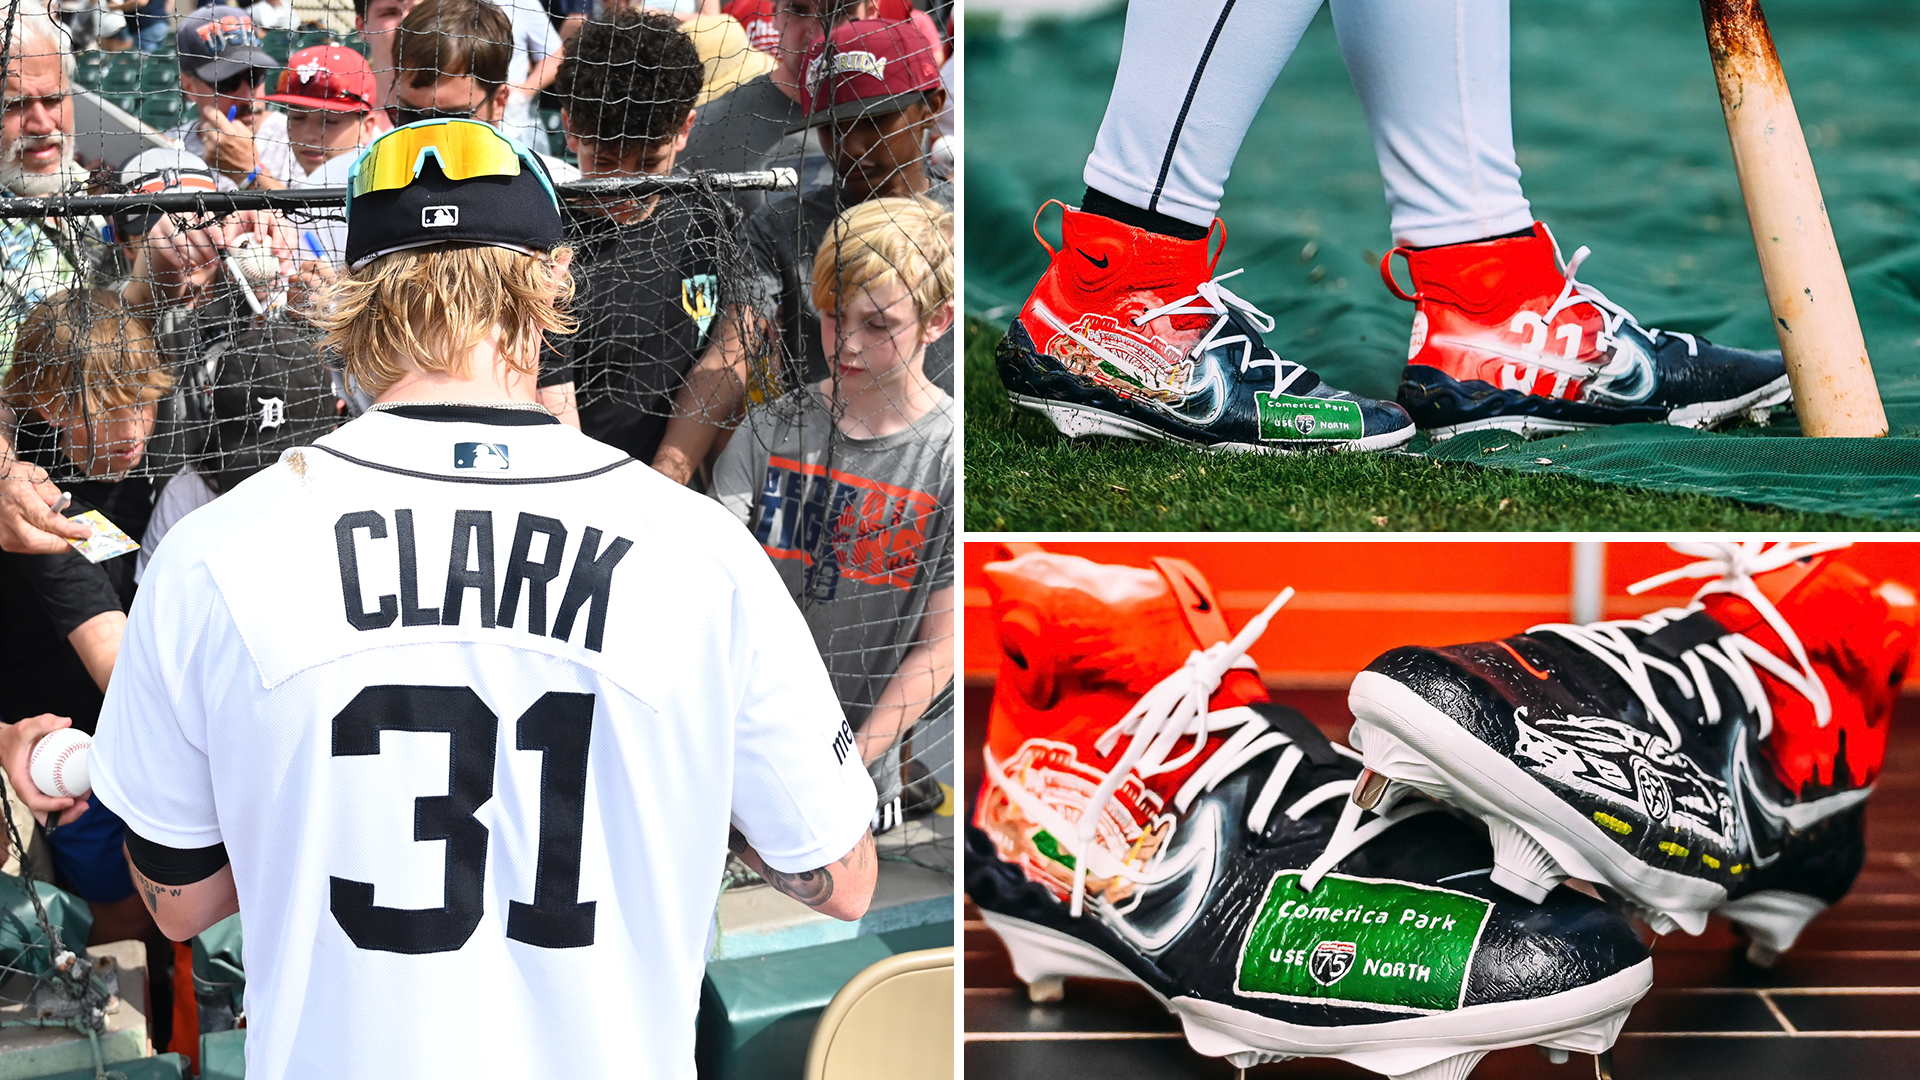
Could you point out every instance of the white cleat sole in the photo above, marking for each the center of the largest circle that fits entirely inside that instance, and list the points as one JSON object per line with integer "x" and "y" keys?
{"x": 1539, "y": 840}
{"x": 1757, "y": 406}
{"x": 1079, "y": 421}
{"x": 1443, "y": 1046}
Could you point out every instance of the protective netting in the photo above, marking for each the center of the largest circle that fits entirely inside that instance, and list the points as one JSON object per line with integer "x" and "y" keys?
{"x": 165, "y": 240}
{"x": 48, "y": 979}
{"x": 1623, "y": 148}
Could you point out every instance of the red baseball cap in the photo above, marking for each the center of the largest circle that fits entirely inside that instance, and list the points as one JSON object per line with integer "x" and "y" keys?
{"x": 331, "y": 77}
{"x": 876, "y": 67}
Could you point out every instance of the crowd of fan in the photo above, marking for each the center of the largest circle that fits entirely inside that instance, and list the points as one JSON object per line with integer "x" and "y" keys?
{"x": 788, "y": 352}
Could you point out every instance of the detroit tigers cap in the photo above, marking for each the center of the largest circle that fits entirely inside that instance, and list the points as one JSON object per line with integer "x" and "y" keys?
{"x": 448, "y": 181}
{"x": 216, "y": 43}
{"x": 273, "y": 393}
{"x": 865, "y": 68}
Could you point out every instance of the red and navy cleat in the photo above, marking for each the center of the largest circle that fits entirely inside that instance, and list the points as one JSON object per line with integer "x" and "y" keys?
{"x": 1146, "y": 814}
{"x": 1131, "y": 334}
{"x": 1504, "y": 336}
{"x": 1707, "y": 759}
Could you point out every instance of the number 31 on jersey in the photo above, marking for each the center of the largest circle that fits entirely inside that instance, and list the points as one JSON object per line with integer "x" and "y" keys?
{"x": 560, "y": 726}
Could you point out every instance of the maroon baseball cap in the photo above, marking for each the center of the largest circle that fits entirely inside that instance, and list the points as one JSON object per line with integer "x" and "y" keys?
{"x": 874, "y": 67}
{"x": 331, "y": 77}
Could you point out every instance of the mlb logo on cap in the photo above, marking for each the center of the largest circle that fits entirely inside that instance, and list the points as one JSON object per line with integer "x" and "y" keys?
{"x": 439, "y": 217}
{"x": 485, "y": 456}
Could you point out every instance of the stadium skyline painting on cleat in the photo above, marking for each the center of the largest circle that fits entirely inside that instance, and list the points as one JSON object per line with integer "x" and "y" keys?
{"x": 1713, "y": 758}
{"x": 1147, "y": 814}
{"x": 1132, "y": 334}
{"x": 1506, "y": 337}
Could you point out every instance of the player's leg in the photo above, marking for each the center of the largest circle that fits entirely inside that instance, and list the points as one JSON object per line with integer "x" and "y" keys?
{"x": 1432, "y": 76}
{"x": 1504, "y": 335}
{"x": 1191, "y": 78}
{"x": 1129, "y": 332}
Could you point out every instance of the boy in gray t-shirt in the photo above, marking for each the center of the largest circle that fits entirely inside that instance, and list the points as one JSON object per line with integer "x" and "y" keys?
{"x": 848, "y": 483}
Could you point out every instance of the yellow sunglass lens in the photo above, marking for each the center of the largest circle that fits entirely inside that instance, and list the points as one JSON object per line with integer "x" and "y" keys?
{"x": 464, "y": 149}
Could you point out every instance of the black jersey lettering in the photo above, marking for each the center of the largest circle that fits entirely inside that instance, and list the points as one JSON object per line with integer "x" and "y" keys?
{"x": 357, "y": 613}
{"x": 411, "y": 613}
{"x": 472, "y": 529}
{"x": 522, "y": 569}
{"x": 471, "y": 567}
{"x": 591, "y": 582}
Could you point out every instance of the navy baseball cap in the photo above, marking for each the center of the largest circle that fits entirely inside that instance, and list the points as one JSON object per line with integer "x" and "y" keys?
{"x": 216, "y": 43}
{"x": 449, "y": 181}
{"x": 273, "y": 393}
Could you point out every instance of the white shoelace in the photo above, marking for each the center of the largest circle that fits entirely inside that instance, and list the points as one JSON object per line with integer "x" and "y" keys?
{"x": 1734, "y": 565}
{"x": 1209, "y": 298}
{"x": 1613, "y": 317}
{"x": 1175, "y": 709}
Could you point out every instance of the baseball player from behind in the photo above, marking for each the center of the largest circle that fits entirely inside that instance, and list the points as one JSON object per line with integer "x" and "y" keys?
{"x": 459, "y": 701}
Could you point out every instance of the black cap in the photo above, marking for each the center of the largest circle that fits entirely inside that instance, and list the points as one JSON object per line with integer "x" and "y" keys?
{"x": 272, "y": 394}
{"x": 514, "y": 212}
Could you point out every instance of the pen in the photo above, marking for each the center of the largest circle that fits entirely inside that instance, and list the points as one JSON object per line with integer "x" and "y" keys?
{"x": 313, "y": 245}
{"x": 233, "y": 113}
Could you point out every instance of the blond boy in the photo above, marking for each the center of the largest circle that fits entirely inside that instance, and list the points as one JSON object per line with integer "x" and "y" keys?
{"x": 848, "y": 484}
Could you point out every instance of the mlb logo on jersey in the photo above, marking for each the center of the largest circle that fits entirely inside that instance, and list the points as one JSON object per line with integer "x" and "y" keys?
{"x": 485, "y": 456}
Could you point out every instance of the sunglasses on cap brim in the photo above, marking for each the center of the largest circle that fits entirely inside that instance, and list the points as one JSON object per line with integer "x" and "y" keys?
{"x": 463, "y": 148}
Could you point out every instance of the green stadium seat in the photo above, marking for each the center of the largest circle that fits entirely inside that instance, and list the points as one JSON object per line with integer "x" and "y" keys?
{"x": 162, "y": 111}
{"x": 307, "y": 39}
{"x": 159, "y": 77}
{"x": 550, "y": 119}
{"x": 278, "y": 44}
{"x": 119, "y": 79}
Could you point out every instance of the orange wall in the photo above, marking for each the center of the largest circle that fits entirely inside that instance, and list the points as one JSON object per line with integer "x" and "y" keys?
{"x": 1354, "y": 601}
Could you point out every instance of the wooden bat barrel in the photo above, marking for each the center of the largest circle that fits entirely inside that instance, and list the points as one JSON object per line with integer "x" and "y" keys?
{"x": 1813, "y": 313}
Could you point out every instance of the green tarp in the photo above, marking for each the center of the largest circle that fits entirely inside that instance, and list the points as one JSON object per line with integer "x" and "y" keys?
{"x": 1622, "y": 148}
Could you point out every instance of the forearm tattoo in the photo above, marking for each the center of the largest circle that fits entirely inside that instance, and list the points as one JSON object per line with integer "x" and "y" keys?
{"x": 811, "y": 887}
{"x": 153, "y": 892}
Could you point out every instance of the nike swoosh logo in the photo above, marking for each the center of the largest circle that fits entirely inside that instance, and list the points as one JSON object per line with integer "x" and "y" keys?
{"x": 1100, "y": 262}
{"x": 1531, "y": 670}
{"x": 1518, "y": 356}
{"x": 1192, "y": 874}
{"x": 1204, "y": 605}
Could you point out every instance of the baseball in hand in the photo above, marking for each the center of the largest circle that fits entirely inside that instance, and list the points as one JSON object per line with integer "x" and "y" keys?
{"x": 59, "y": 763}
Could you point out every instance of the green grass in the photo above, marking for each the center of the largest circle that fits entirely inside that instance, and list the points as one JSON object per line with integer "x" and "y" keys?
{"x": 1021, "y": 475}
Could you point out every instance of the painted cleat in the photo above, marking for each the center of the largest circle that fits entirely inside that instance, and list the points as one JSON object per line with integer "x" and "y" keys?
{"x": 1146, "y": 814}
{"x": 1130, "y": 334}
{"x": 1711, "y": 758}
{"x": 1505, "y": 336}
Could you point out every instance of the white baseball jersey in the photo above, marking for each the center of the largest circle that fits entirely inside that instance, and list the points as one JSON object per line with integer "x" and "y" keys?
{"x": 470, "y": 700}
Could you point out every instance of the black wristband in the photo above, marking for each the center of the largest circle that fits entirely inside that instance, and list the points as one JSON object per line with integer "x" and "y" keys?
{"x": 165, "y": 865}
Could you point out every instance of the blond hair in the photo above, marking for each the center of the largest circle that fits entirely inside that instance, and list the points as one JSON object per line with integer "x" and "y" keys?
{"x": 883, "y": 241}
{"x": 427, "y": 309}
{"x": 83, "y": 350}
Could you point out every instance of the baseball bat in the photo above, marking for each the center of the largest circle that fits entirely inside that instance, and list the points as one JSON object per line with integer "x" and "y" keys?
{"x": 1813, "y": 313}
